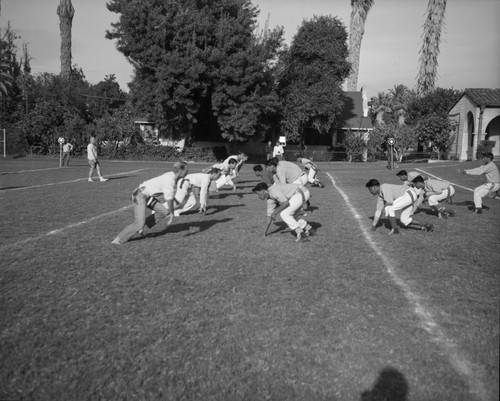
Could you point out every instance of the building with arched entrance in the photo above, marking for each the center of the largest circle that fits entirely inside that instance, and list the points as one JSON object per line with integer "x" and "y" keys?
{"x": 477, "y": 114}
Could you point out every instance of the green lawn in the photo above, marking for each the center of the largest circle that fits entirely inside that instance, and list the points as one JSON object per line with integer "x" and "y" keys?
{"x": 209, "y": 309}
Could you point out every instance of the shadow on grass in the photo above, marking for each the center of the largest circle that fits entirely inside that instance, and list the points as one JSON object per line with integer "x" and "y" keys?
{"x": 282, "y": 226}
{"x": 192, "y": 228}
{"x": 114, "y": 178}
{"x": 7, "y": 188}
{"x": 220, "y": 208}
{"x": 390, "y": 385}
{"x": 222, "y": 196}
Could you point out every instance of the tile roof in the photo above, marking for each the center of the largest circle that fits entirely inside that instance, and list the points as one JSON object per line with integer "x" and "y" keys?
{"x": 484, "y": 97}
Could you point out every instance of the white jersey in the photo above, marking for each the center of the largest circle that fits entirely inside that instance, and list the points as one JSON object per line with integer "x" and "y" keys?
{"x": 165, "y": 185}
{"x": 202, "y": 181}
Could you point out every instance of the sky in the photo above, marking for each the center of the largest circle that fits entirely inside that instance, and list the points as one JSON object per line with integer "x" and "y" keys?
{"x": 469, "y": 52}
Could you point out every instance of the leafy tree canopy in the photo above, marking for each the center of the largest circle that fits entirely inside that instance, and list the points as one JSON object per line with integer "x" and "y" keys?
{"x": 439, "y": 102}
{"x": 313, "y": 70}
{"x": 198, "y": 60}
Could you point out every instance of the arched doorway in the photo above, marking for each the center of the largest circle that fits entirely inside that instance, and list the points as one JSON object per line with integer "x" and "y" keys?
{"x": 470, "y": 136}
{"x": 493, "y": 134}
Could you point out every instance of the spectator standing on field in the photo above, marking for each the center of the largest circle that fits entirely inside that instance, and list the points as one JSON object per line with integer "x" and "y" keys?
{"x": 67, "y": 148}
{"x": 93, "y": 160}
{"x": 278, "y": 151}
{"x": 492, "y": 185}
{"x": 145, "y": 196}
{"x": 269, "y": 150}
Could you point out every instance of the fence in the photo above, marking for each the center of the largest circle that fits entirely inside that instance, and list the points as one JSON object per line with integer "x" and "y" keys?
{"x": 10, "y": 143}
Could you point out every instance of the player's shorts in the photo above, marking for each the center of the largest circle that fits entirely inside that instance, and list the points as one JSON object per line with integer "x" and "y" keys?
{"x": 93, "y": 163}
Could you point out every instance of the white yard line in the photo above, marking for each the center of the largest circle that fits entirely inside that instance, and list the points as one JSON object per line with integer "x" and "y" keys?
{"x": 457, "y": 360}
{"x": 67, "y": 182}
{"x": 63, "y": 229}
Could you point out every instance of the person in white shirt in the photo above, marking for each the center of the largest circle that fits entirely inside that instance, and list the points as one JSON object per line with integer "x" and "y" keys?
{"x": 278, "y": 151}
{"x": 194, "y": 186}
{"x": 403, "y": 204}
{"x": 227, "y": 168}
{"x": 93, "y": 161}
{"x": 437, "y": 191}
{"x": 311, "y": 170}
{"x": 492, "y": 185}
{"x": 145, "y": 196}
{"x": 287, "y": 200}
{"x": 67, "y": 148}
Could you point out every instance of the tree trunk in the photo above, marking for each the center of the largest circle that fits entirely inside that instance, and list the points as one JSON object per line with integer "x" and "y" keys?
{"x": 429, "y": 51}
{"x": 359, "y": 13}
{"x": 66, "y": 12}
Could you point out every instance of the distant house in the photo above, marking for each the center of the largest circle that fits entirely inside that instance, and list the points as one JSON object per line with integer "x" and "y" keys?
{"x": 147, "y": 129}
{"x": 477, "y": 114}
{"x": 354, "y": 117}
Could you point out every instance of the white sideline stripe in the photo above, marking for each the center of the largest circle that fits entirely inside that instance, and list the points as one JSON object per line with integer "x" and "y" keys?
{"x": 29, "y": 171}
{"x": 60, "y": 230}
{"x": 452, "y": 183}
{"x": 68, "y": 182}
{"x": 458, "y": 361}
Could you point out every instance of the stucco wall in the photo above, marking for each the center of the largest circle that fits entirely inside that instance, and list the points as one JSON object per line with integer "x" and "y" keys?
{"x": 461, "y": 146}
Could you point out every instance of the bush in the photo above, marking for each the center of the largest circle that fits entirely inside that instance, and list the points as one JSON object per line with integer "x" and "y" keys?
{"x": 162, "y": 153}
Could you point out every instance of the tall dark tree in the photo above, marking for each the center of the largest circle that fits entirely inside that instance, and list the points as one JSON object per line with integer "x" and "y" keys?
{"x": 314, "y": 69}
{"x": 66, "y": 12}
{"x": 10, "y": 71}
{"x": 198, "y": 63}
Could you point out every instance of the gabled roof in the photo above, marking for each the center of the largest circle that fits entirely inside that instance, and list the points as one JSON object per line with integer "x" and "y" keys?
{"x": 352, "y": 114}
{"x": 484, "y": 97}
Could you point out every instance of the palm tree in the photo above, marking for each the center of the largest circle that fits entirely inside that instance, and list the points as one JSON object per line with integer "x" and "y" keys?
{"x": 66, "y": 12}
{"x": 400, "y": 98}
{"x": 429, "y": 51}
{"x": 380, "y": 105}
{"x": 359, "y": 13}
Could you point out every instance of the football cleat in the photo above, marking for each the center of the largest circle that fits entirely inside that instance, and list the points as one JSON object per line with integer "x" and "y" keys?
{"x": 478, "y": 211}
{"x": 310, "y": 232}
{"x": 428, "y": 228}
{"x": 393, "y": 231}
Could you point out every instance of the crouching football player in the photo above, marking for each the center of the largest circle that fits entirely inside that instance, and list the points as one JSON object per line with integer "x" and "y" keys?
{"x": 145, "y": 197}
{"x": 287, "y": 200}
{"x": 437, "y": 191}
{"x": 191, "y": 187}
{"x": 393, "y": 198}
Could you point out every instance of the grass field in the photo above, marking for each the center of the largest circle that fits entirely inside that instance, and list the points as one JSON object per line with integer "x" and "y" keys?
{"x": 209, "y": 309}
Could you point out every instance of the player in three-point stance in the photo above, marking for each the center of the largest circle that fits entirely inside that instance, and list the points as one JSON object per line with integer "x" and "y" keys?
{"x": 437, "y": 191}
{"x": 145, "y": 196}
{"x": 397, "y": 198}
{"x": 287, "y": 200}
{"x": 194, "y": 186}
{"x": 311, "y": 170}
{"x": 230, "y": 169}
{"x": 492, "y": 185}
{"x": 264, "y": 175}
